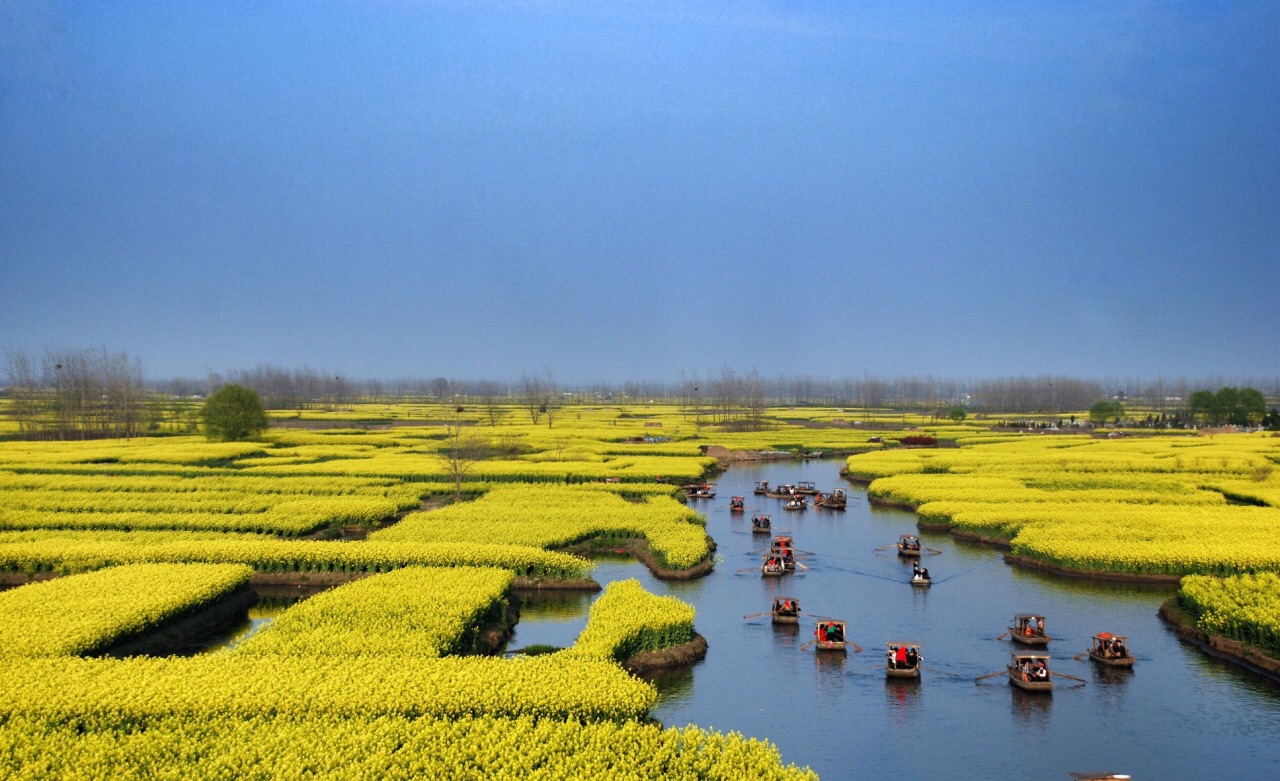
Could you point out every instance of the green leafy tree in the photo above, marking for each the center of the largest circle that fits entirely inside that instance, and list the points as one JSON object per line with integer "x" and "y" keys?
{"x": 1203, "y": 406}
{"x": 1104, "y": 410}
{"x": 233, "y": 413}
{"x": 1253, "y": 406}
{"x": 957, "y": 414}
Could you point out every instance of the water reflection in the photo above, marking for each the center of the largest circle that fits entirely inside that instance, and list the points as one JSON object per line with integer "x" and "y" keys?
{"x": 260, "y": 616}
{"x": 674, "y": 686}
{"x": 1030, "y": 710}
{"x": 903, "y": 699}
{"x": 538, "y": 605}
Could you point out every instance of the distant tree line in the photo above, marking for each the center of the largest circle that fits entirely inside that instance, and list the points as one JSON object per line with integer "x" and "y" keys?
{"x": 72, "y": 393}
{"x": 75, "y": 393}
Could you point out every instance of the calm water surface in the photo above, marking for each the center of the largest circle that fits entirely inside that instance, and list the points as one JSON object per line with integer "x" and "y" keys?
{"x": 1178, "y": 714}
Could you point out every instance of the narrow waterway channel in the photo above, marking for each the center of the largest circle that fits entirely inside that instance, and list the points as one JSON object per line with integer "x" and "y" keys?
{"x": 1178, "y": 715}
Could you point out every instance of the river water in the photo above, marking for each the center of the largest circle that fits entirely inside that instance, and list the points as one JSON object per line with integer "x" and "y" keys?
{"x": 1178, "y": 715}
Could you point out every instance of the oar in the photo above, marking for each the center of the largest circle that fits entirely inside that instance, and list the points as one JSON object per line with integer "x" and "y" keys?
{"x": 1003, "y": 636}
{"x": 1077, "y": 656}
{"x": 933, "y": 550}
{"x": 806, "y": 645}
{"x": 757, "y": 615}
{"x": 802, "y": 566}
{"x": 992, "y": 675}
{"x": 857, "y": 648}
{"x": 887, "y": 547}
{"x": 1069, "y": 677}
{"x": 750, "y": 569}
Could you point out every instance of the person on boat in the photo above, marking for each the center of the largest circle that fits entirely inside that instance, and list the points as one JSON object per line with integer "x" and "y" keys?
{"x": 821, "y": 632}
{"x": 1118, "y": 649}
{"x": 900, "y": 658}
{"x": 915, "y": 569}
{"x": 912, "y": 658}
{"x": 1028, "y": 629}
{"x": 1041, "y": 672}
{"x": 924, "y": 573}
{"x": 1039, "y": 626}
{"x": 836, "y": 633}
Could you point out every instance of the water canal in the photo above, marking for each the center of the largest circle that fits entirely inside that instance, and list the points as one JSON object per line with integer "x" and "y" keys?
{"x": 1178, "y": 715}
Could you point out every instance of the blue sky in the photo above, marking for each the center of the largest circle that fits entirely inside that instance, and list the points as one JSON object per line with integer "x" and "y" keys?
{"x": 626, "y": 190}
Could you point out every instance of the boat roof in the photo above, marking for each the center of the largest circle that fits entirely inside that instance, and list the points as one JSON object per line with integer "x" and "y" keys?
{"x": 831, "y": 621}
{"x": 1029, "y": 655}
{"x": 897, "y": 644}
{"x": 906, "y": 536}
{"x": 1099, "y": 776}
{"x": 779, "y": 599}
{"x": 1109, "y": 636}
{"x": 1016, "y": 616}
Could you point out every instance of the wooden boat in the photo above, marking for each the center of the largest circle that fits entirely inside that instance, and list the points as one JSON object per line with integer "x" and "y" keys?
{"x": 806, "y": 487}
{"x": 781, "y": 492}
{"x": 772, "y": 567}
{"x": 1028, "y": 629}
{"x": 704, "y": 491}
{"x": 830, "y": 634}
{"x": 796, "y": 503}
{"x": 786, "y": 610}
{"x": 910, "y": 668}
{"x": 737, "y": 504}
{"x": 1111, "y": 650}
{"x": 762, "y": 487}
{"x": 782, "y": 545}
{"x": 761, "y": 524}
{"x": 909, "y": 546}
{"x": 1023, "y": 667}
{"x": 836, "y": 500}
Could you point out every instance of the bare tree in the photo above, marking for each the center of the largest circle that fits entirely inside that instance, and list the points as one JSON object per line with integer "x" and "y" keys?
{"x": 550, "y": 397}
{"x": 463, "y": 447}
{"x": 531, "y": 396}
{"x": 489, "y": 397}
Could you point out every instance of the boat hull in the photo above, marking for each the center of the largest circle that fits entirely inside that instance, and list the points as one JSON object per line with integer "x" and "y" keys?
{"x": 1031, "y": 640}
{"x": 894, "y": 672}
{"x": 1038, "y": 687}
{"x": 777, "y": 619}
{"x": 907, "y": 553}
{"x": 831, "y": 645}
{"x": 921, "y": 582}
{"x": 1124, "y": 662}
{"x": 759, "y": 530}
